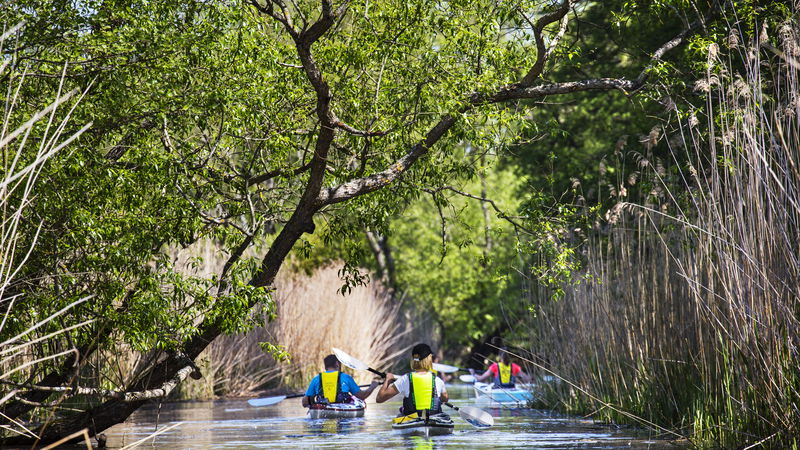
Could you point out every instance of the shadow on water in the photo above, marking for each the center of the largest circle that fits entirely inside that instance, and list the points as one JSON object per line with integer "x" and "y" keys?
{"x": 234, "y": 424}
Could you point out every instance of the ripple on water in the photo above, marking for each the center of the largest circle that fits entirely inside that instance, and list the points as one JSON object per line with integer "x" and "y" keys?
{"x": 234, "y": 424}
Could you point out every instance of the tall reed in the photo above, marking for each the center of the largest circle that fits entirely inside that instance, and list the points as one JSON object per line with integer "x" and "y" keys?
{"x": 689, "y": 317}
{"x": 311, "y": 318}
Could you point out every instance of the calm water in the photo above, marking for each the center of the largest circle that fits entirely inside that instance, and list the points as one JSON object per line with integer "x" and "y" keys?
{"x": 234, "y": 424}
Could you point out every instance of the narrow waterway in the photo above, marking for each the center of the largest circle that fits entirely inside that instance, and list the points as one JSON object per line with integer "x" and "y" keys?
{"x": 235, "y": 424}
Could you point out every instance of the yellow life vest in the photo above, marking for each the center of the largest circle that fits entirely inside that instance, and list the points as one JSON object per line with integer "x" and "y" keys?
{"x": 330, "y": 385}
{"x": 422, "y": 386}
{"x": 505, "y": 373}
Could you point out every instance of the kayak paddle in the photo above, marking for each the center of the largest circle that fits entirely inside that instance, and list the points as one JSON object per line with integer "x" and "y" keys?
{"x": 473, "y": 416}
{"x": 444, "y": 368}
{"x": 269, "y": 401}
{"x": 467, "y": 378}
{"x": 353, "y": 363}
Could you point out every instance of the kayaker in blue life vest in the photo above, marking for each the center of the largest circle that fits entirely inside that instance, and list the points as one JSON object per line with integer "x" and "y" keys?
{"x": 503, "y": 373}
{"x": 333, "y": 386}
{"x": 423, "y": 392}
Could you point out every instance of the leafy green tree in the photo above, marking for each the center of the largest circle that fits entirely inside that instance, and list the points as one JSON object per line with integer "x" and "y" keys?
{"x": 456, "y": 256}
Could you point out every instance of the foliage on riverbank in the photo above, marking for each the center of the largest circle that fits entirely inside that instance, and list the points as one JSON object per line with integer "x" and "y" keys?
{"x": 311, "y": 316}
{"x": 689, "y": 318}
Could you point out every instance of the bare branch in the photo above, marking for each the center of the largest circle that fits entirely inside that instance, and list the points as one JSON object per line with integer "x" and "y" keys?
{"x": 276, "y": 173}
{"x": 500, "y": 213}
{"x": 543, "y": 53}
{"x": 325, "y": 21}
{"x": 161, "y": 391}
{"x": 443, "y": 222}
{"x": 376, "y": 181}
{"x": 356, "y": 132}
{"x": 283, "y": 18}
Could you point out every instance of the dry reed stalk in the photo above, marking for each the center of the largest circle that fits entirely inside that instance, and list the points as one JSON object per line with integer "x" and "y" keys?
{"x": 312, "y": 317}
{"x": 690, "y": 317}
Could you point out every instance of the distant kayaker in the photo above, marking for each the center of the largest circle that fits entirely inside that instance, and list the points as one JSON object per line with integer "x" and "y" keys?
{"x": 423, "y": 392}
{"x": 504, "y": 373}
{"x": 334, "y": 386}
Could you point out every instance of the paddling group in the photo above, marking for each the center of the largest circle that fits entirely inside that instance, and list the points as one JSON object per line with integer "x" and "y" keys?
{"x": 333, "y": 393}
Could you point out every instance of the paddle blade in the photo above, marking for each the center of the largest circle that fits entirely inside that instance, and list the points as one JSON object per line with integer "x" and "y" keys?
{"x": 348, "y": 360}
{"x": 444, "y": 368}
{"x": 476, "y": 416}
{"x": 266, "y": 401}
{"x": 467, "y": 378}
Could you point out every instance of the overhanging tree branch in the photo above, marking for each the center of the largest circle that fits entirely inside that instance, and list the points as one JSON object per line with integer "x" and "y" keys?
{"x": 543, "y": 52}
{"x": 500, "y": 213}
{"x": 126, "y": 396}
{"x": 519, "y": 91}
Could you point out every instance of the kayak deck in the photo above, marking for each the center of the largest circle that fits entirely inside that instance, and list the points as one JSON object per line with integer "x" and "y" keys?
{"x": 517, "y": 396}
{"x": 436, "y": 425}
{"x": 337, "y": 410}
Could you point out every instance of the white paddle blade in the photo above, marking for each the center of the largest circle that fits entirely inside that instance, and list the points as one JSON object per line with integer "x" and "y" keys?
{"x": 348, "y": 360}
{"x": 476, "y": 416}
{"x": 444, "y": 368}
{"x": 266, "y": 401}
{"x": 466, "y": 378}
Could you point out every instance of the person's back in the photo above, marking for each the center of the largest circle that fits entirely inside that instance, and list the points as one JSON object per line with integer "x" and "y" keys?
{"x": 423, "y": 392}
{"x": 423, "y": 395}
{"x": 334, "y": 386}
{"x": 503, "y": 373}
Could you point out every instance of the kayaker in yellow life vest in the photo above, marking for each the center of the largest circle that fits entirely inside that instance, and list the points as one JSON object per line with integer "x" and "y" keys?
{"x": 423, "y": 392}
{"x": 333, "y": 386}
{"x": 503, "y": 373}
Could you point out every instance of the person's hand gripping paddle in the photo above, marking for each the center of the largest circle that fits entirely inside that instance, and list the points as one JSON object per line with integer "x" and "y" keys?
{"x": 474, "y": 416}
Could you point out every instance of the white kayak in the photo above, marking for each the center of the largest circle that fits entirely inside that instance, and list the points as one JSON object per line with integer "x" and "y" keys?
{"x": 337, "y": 410}
{"x": 436, "y": 425}
{"x": 518, "y": 396}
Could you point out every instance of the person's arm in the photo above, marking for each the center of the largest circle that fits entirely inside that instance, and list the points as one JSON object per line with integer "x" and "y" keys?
{"x": 388, "y": 389}
{"x": 444, "y": 396}
{"x": 313, "y": 387}
{"x": 485, "y": 375}
{"x": 364, "y": 393}
{"x": 522, "y": 375}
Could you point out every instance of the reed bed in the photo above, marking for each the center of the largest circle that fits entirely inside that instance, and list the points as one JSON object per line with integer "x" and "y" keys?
{"x": 311, "y": 318}
{"x": 689, "y": 314}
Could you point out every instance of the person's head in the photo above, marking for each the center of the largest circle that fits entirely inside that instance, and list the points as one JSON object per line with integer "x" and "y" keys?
{"x": 331, "y": 362}
{"x": 421, "y": 357}
{"x": 503, "y": 356}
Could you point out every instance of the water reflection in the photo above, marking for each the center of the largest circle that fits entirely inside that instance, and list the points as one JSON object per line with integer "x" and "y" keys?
{"x": 419, "y": 443}
{"x": 324, "y": 427}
